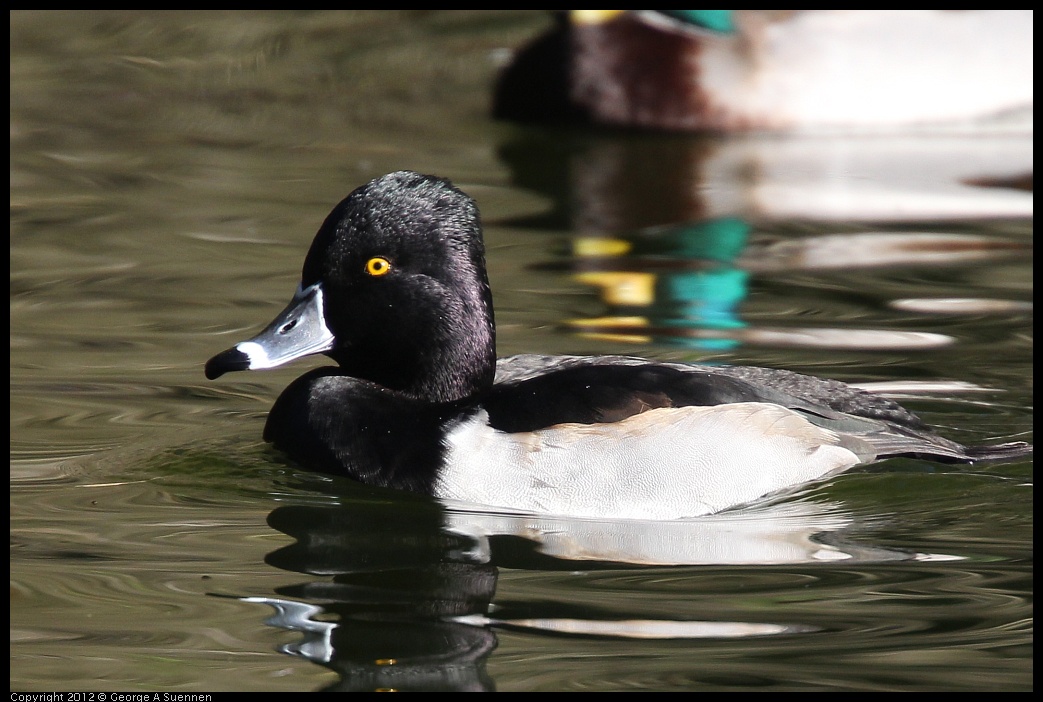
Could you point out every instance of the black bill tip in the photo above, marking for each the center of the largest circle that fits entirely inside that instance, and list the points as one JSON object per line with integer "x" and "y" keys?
{"x": 225, "y": 362}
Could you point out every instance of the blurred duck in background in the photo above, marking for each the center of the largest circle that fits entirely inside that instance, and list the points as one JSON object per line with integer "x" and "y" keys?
{"x": 771, "y": 70}
{"x": 858, "y": 123}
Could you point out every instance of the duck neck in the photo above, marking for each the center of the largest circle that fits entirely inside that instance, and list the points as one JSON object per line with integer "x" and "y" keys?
{"x": 440, "y": 358}
{"x": 451, "y": 355}
{"x": 460, "y": 364}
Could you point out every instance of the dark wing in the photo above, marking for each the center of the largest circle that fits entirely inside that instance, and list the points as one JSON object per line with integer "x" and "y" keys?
{"x": 533, "y": 392}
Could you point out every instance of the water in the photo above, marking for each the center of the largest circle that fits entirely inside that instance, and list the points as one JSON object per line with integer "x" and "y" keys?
{"x": 167, "y": 174}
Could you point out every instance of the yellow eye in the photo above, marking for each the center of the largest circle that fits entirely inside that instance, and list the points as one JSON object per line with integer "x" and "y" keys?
{"x": 378, "y": 266}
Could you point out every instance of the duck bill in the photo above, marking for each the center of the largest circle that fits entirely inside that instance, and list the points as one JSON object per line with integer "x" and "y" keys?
{"x": 299, "y": 330}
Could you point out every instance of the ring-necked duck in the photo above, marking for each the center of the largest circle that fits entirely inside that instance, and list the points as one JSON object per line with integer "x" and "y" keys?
{"x": 394, "y": 289}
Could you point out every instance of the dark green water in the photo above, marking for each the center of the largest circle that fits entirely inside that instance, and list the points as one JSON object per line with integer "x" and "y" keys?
{"x": 167, "y": 174}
